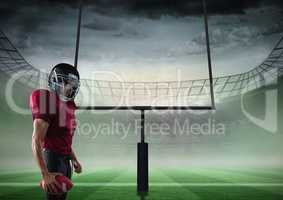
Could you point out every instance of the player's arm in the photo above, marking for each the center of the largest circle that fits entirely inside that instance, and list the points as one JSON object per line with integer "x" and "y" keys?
{"x": 39, "y": 131}
{"x": 76, "y": 163}
{"x": 40, "y": 128}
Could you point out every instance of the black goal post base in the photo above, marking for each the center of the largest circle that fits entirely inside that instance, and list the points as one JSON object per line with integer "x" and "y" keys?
{"x": 142, "y": 167}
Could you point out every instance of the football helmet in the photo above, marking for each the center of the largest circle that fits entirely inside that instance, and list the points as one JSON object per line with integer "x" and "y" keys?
{"x": 64, "y": 80}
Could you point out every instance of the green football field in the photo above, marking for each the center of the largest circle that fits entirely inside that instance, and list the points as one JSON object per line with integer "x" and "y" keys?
{"x": 196, "y": 183}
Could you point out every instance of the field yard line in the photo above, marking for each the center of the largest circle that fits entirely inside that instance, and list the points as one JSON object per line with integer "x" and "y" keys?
{"x": 185, "y": 191}
{"x": 156, "y": 184}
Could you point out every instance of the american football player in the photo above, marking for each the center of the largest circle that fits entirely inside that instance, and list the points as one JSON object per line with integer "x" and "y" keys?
{"x": 53, "y": 113}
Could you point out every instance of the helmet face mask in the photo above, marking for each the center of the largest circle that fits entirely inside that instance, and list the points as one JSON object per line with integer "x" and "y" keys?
{"x": 64, "y": 81}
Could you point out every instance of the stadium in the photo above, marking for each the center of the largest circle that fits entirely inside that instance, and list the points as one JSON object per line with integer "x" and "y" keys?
{"x": 230, "y": 150}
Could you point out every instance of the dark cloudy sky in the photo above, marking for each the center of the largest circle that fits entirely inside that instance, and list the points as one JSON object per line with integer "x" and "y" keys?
{"x": 144, "y": 39}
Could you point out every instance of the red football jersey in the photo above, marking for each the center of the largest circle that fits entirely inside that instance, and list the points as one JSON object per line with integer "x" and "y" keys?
{"x": 60, "y": 115}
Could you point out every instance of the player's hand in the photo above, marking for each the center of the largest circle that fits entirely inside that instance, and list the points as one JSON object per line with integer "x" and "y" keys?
{"x": 50, "y": 182}
{"x": 77, "y": 166}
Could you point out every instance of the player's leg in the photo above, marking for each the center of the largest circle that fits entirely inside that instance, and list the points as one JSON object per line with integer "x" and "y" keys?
{"x": 56, "y": 163}
{"x": 66, "y": 167}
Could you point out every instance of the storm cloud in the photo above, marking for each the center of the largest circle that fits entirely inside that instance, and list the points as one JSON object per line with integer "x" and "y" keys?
{"x": 176, "y": 7}
{"x": 140, "y": 39}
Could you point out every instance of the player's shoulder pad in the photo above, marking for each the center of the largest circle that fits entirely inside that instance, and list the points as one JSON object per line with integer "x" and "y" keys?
{"x": 38, "y": 92}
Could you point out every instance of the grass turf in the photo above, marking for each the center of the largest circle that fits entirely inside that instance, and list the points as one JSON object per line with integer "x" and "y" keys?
{"x": 165, "y": 184}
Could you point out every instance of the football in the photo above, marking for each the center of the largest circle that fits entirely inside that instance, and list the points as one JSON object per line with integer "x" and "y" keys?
{"x": 65, "y": 183}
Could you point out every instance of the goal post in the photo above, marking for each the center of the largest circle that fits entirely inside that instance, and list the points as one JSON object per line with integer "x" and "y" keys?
{"x": 142, "y": 146}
